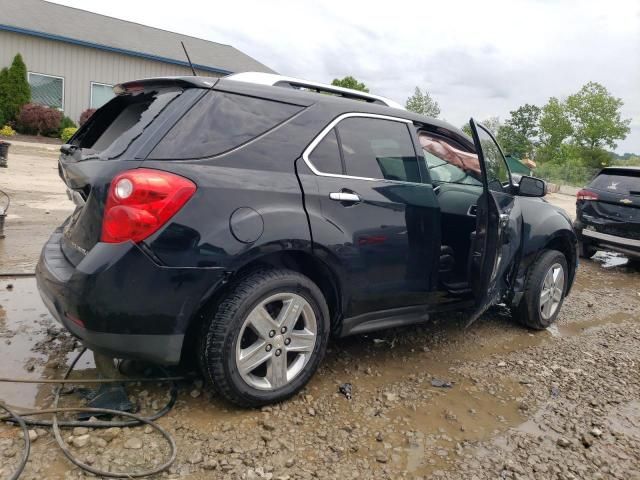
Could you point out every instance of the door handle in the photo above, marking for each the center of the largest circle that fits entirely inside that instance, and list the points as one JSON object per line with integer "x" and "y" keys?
{"x": 344, "y": 197}
{"x": 504, "y": 220}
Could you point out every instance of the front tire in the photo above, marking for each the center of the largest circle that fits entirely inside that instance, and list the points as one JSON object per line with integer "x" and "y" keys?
{"x": 545, "y": 288}
{"x": 266, "y": 338}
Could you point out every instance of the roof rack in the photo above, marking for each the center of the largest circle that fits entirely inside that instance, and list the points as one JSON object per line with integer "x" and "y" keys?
{"x": 290, "y": 82}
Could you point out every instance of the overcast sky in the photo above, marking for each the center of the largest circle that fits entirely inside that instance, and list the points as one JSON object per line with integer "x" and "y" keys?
{"x": 476, "y": 58}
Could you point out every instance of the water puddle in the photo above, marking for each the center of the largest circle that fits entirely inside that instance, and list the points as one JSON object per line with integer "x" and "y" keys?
{"x": 578, "y": 328}
{"x": 31, "y": 344}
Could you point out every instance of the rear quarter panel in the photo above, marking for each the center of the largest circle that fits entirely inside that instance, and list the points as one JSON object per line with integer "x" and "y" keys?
{"x": 259, "y": 178}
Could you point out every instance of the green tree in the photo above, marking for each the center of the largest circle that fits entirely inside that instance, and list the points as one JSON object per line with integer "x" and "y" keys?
{"x": 350, "y": 82}
{"x": 555, "y": 128}
{"x": 597, "y": 121}
{"x": 18, "y": 89}
{"x": 519, "y": 134}
{"x": 4, "y": 94}
{"x": 423, "y": 104}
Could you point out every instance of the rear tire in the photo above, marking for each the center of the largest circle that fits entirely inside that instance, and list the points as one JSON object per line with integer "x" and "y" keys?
{"x": 586, "y": 251}
{"x": 544, "y": 292}
{"x": 266, "y": 338}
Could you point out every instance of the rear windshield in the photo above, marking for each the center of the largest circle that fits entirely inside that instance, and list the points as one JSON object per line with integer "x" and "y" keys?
{"x": 623, "y": 183}
{"x": 113, "y": 127}
{"x": 220, "y": 122}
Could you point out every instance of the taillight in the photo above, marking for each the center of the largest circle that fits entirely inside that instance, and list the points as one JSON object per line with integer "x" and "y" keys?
{"x": 585, "y": 194}
{"x": 140, "y": 201}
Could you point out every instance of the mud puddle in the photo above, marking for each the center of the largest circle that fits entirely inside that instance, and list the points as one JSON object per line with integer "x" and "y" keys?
{"x": 32, "y": 344}
{"x": 578, "y": 328}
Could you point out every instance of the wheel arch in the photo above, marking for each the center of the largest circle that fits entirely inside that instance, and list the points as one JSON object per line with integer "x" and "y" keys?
{"x": 300, "y": 261}
{"x": 562, "y": 240}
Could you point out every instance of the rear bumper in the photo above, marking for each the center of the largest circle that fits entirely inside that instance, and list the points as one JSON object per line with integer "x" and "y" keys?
{"x": 117, "y": 301}
{"x": 617, "y": 243}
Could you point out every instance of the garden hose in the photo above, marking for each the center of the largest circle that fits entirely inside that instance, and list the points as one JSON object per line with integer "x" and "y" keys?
{"x": 27, "y": 442}
{"x": 18, "y": 417}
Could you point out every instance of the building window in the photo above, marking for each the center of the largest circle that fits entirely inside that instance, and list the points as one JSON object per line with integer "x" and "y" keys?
{"x": 47, "y": 90}
{"x": 101, "y": 93}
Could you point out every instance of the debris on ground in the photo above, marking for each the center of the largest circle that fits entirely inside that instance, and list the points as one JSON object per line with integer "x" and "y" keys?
{"x": 439, "y": 383}
{"x": 346, "y": 389}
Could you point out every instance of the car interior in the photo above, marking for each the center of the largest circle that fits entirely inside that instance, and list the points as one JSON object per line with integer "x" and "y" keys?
{"x": 457, "y": 189}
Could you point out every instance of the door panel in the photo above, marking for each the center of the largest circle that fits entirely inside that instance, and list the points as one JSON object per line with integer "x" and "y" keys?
{"x": 499, "y": 224}
{"x": 382, "y": 235}
{"x": 385, "y": 241}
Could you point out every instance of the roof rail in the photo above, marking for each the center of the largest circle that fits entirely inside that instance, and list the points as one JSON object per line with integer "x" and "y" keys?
{"x": 290, "y": 82}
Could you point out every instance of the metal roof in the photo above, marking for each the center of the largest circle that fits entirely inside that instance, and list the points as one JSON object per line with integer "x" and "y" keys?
{"x": 71, "y": 25}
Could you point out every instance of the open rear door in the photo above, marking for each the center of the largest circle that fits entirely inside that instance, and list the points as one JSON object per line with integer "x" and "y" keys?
{"x": 498, "y": 226}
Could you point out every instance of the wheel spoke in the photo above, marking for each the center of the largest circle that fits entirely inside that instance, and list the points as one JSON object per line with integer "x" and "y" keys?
{"x": 262, "y": 322}
{"x": 546, "y": 309}
{"x": 557, "y": 294}
{"x": 252, "y": 357}
{"x": 556, "y": 273}
{"x": 277, "y": 371}
{"x": 302, "y": 341}
{"x": 290, "y": 313}
{"x": 545, "y": 296}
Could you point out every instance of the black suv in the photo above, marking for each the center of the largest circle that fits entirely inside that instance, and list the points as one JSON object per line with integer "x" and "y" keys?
{"x": 245, "y": 219}
{"x": 608, "y": 212}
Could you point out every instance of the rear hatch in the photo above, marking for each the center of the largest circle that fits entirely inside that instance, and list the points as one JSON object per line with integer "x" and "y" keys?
{"x": 117, "y": 137}
{"x": 615, "y": 208}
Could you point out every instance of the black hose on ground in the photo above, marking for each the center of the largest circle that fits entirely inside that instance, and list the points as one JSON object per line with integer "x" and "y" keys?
{"x": 27, "y": 442}
{"x": 17, "y": 417}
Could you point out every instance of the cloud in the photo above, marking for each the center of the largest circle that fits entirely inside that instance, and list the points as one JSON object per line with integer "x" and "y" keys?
{"x": 477, "y": 59}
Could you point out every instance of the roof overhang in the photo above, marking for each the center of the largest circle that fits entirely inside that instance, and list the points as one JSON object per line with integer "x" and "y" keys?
{"x": 107, "y": 48}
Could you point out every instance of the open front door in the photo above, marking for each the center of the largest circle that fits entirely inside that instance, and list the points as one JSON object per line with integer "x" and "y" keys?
{"x": 498, "y": 226}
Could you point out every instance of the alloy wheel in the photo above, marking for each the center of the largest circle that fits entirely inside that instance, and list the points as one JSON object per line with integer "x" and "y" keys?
{"x": 276, "y": 341}
{"x": 552, "y": 291}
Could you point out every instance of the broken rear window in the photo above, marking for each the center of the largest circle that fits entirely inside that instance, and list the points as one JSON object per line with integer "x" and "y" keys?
{"x": 112, "y": 128}
{"x": 620, "y": 182}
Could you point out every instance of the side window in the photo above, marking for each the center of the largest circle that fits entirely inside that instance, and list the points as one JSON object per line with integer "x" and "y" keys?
{"x": 220, "y": 122}
{"x": 326, "y": 156}
{"x": 498, "y": 177}
{"x": 375, "y": 148}
{"x": 448, "y": 164}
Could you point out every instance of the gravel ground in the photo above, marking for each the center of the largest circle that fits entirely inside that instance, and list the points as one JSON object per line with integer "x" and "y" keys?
{"x": 430, "y": 401}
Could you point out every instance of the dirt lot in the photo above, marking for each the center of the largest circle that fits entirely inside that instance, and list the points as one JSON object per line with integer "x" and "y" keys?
{"x": 559, "y": 404}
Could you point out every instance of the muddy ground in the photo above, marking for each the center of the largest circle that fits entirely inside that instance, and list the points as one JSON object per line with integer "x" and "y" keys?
{"x": 560, "y": 404}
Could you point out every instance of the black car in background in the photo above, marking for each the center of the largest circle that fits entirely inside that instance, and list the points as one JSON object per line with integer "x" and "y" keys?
{"x": 243, "y": 220}
{"x": 608, "y": 213}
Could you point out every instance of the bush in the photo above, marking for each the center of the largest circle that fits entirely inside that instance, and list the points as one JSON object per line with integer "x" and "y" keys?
{"x": 86, "y": 115}
{"x": 7, "y": 131}
{"x": 17, "y": 91}
{"x": 39, "y": 120}
{"x": 67, "y": 133}
{"x": 4, "y": 95}
{"x": 572, "y": 172}
{"x": 67, "y": 123}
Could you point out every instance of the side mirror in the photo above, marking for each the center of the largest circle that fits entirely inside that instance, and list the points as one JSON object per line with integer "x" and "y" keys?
{"x": 532, "y": 187}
